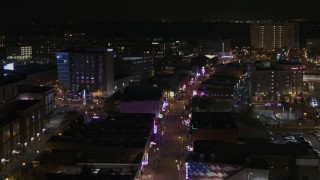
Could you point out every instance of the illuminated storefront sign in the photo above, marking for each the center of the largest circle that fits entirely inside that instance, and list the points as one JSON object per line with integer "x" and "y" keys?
{"x": 155, "y": 128}
{"x": 187, "y": 170}
{"x": 145, "y": 160}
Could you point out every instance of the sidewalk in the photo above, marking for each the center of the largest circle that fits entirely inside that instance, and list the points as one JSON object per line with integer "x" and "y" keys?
{"x": 150, "y": 169}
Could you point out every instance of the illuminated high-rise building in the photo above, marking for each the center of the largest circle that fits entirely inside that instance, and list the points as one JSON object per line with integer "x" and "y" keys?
{"x": 274, "y": 35}
{"x": 283, "y": 78}
{"x": 86, "y": 69}
{"x": 21, "y": 53}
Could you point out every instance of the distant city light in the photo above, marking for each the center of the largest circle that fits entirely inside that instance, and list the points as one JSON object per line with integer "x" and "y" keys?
{"x": 210, "y": 56}
{"x": 194, "y": 93}
{"x": 184, "y": 87}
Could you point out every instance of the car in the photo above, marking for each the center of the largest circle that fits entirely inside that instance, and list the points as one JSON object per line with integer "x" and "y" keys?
{"x": 316, "y": 134}
{"x": 316, "y": 152}
{"x": 316, "y": 131}
{"x": 284, "y": 134}
{"x": 295, "y": 134}
{"x": 270, "y": 139}
{"x": 292, "y": 142}
{"x": 274, "y": 142}
{"x": 269, "y": 133}
{"x": 289, "y": 138}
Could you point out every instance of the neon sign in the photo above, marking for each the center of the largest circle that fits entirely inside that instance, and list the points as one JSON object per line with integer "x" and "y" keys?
{"x": 155, "y": 128}
{"x": 187, "y": 170}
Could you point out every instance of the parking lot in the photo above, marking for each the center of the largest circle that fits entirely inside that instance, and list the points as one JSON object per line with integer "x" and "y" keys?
{"x": 296, "y": 137}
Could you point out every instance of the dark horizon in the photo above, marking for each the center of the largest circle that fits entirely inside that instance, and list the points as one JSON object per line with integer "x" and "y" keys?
{"x": 167, "y": 10}
{"x": 239, "y": 33}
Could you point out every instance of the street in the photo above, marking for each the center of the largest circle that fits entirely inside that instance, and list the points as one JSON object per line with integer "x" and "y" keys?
{"x": 172, "y": 149}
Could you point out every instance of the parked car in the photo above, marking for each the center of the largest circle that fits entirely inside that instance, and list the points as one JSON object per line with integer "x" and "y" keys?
{"x": 289, "y": 138}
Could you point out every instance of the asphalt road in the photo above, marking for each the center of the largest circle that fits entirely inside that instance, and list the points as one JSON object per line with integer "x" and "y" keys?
{"x": 173, "y": 148}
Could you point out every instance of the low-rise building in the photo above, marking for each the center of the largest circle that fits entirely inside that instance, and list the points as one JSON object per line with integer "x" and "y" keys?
{"x": 219, "y": 126}
{"x": 9, "y": 134}
{"x": 38, "y": 74}
{"x": 45, "y": 94}
{"x": 142, "y": 99}
{"x": 253, "y": 161}
{"x": 117, "y": 146}
{"x": 21, "y": 121}
{"x": 220, "y": 88}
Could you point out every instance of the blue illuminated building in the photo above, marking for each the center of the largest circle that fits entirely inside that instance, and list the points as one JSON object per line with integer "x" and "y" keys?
{"x": 86, "y": 69}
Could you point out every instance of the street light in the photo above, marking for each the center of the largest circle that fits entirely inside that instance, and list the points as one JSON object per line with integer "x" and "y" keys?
{"x": 248, "y": 177}
{"x": 181, "y": 149}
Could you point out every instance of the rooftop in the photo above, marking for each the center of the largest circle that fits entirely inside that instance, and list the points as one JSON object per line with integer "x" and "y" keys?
{"x": 232, "y": 64}
{"x": 10, "y": 78}
{"x": 37, "y": 89}
{"x": 61, "y": 176}
{"x": 101, "y": 142}
{"x": 292, "y": 62}
{"x": 34, "y": 68}
{"x": 251, "y": 149}
{"x": 210, "y": 170}
{"x": 118, "y": 126}
{"x": 221, "y": 120}
{"x": 110, "y": 158}
{"x": 141, "y": 93}
{"x": 222, "y": 79}
{"x": 20, "y": 105}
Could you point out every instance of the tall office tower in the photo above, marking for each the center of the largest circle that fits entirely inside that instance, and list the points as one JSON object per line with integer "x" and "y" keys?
{"x": 274, "y": 35}
{"x": 135, "y": 65}
{"x": 44, "y": 47}
{"x": 86, "y": 69}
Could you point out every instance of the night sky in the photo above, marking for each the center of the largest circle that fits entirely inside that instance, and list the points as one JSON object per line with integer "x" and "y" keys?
{"x": 155, "y": 10}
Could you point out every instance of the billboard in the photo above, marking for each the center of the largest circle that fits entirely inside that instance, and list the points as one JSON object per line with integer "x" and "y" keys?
{"x": 9, "y": 66}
